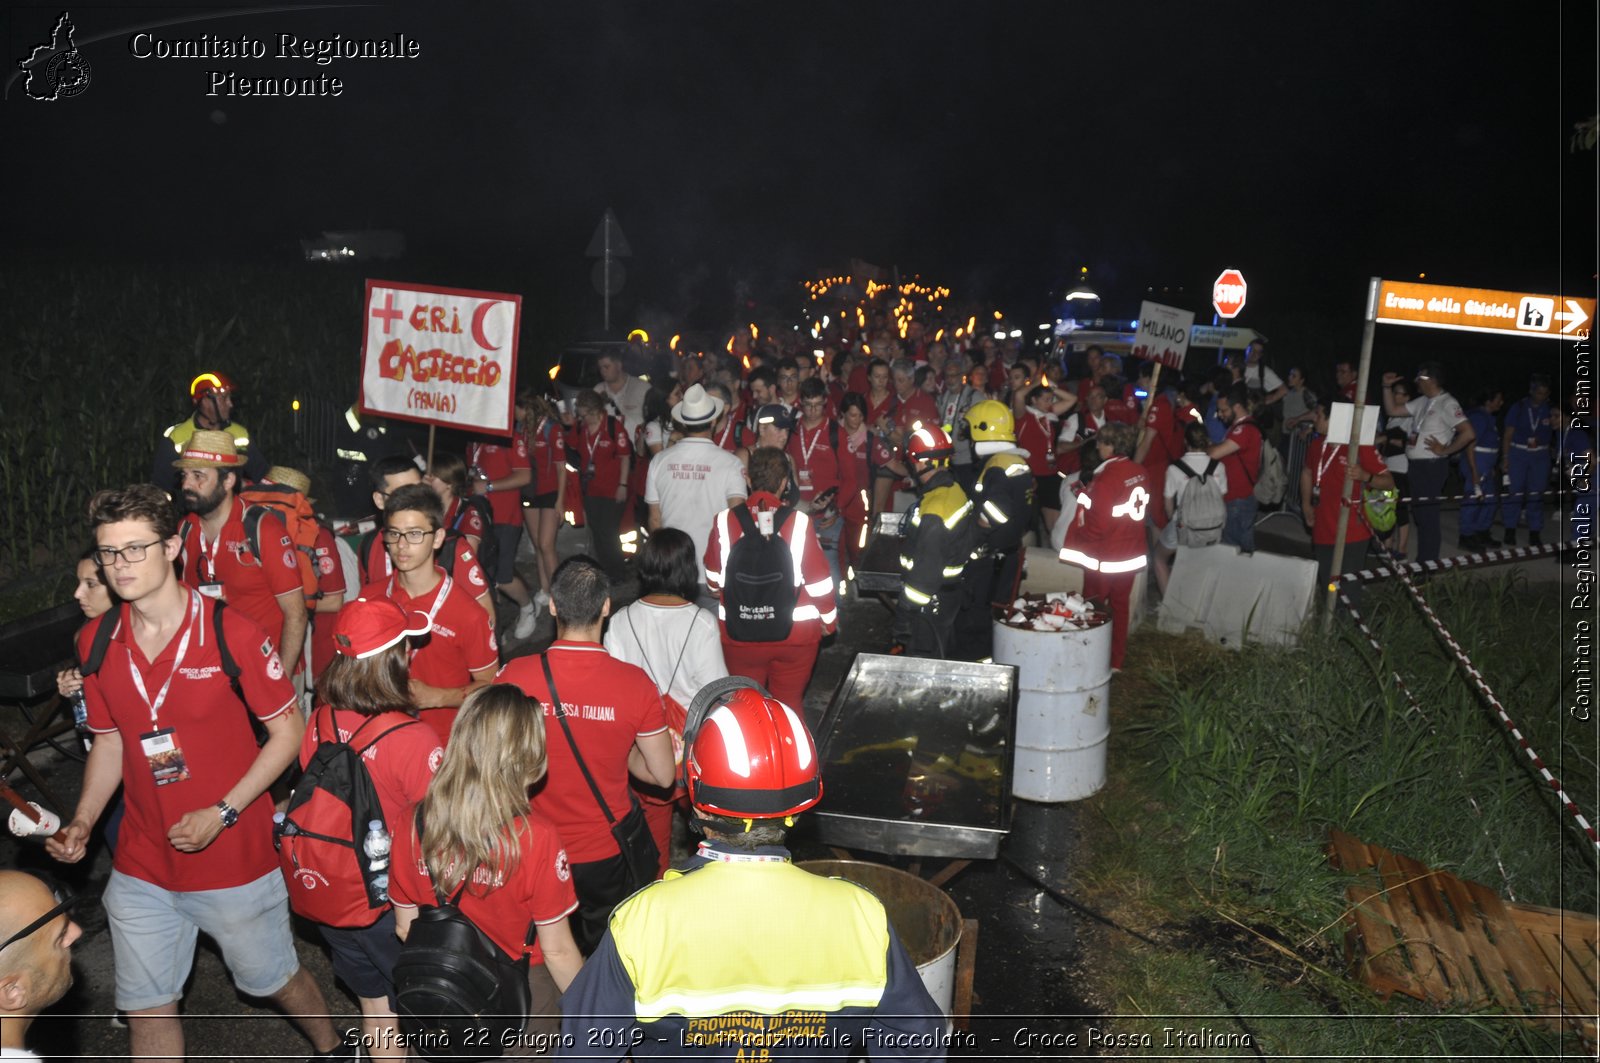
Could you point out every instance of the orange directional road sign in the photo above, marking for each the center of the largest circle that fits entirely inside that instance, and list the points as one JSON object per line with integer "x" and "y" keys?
{"x": 1484, "y": 310}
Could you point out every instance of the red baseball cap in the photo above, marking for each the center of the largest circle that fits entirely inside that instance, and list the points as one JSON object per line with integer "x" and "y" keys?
{"x": 368, "y": 626}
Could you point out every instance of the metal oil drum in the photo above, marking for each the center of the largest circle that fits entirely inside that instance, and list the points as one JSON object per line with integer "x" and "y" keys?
{"x": 927, "y": 921}
{"x": 1063, "y": 709}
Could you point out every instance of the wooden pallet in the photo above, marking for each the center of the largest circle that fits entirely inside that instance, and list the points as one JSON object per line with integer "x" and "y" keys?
{"x": 1448, "y": 941}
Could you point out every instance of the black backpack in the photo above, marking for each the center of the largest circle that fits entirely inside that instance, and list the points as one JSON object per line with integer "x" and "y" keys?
{"x": 321, "y": 838}
{"x": 458, "y": 997}
{"x": 758, "y": 593}
{"x": 488, "y": 545}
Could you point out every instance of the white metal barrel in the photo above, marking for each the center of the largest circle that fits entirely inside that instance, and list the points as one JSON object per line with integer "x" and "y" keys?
{"x": 923, "y": 915}
{"x": 1063, "y": 709}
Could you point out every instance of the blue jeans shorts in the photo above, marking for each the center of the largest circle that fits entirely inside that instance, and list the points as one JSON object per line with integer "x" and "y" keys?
{"x": 153, "y": 934}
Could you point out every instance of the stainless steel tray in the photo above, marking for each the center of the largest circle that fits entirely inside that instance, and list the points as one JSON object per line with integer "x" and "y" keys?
{"x": 902, "y": 771}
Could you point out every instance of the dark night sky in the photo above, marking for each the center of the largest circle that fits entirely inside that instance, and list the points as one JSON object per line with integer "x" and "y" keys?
{"x": 994, "y": 147}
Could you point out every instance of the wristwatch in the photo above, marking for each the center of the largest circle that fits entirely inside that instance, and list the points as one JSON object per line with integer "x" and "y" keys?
{"x": 230, "y": 815}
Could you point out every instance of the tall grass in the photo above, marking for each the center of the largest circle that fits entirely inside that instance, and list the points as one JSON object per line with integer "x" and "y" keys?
{"x": 102, "y": 358}
{"x": 1255, "y": 756}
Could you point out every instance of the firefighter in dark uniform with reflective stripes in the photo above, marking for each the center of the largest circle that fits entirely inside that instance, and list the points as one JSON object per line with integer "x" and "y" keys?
{"x": 940, "y": 534}
{"x": 1003, "y": 507}
{"x": 742, "y": 955}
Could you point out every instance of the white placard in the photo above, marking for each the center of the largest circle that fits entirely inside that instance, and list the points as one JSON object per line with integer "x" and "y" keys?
{"x": 1341, "y": 415}
{"x": 444, "y": 356}
{"x": 1163, "y": 334}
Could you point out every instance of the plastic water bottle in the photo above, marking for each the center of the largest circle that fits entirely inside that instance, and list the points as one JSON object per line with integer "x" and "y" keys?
{"x": 277, "y": 829}
{"x": 80, "y": 718}
{"x": 376, "y": 846}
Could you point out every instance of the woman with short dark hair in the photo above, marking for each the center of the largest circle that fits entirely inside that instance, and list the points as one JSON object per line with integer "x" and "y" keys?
{"x": 677, "y": 644}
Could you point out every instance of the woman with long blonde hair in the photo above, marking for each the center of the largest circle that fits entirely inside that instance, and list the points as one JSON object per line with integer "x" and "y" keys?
{"x": 482, "y": 847}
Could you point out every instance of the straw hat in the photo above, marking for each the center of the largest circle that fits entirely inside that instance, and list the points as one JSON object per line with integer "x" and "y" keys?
{"x": 282, "y": 474}
{"x": 208, "y": 449}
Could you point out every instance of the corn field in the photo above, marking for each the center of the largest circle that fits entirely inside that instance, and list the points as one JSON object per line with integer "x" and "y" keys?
{"x": 102, "y": 359}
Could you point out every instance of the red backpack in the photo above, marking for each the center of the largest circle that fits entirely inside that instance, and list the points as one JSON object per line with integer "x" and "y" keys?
{"x": 331, "y": 877}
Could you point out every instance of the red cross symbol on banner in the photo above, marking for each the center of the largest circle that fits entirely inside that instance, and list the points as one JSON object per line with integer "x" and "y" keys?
{"x": 387, "y": 311}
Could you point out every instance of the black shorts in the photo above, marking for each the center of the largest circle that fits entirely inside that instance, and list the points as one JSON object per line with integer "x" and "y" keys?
{"x": 364, "y": 957}
{"x": 547, "y": 500}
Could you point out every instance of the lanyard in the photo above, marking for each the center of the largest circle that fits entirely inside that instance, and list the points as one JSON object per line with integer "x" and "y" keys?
{"x": 722, "y": 439}
{"x": 444, "y": 592}
{"x": 805, "y": 451}
{"x": 210, "y": 555}
{"x": 1330, "y": 454}
{"x": 177, "y": 661}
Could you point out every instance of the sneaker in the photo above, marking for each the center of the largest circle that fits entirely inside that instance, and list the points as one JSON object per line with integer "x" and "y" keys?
{"x": 1510, "y": 537}
{"x": 1535, "y": 539}
{"x": 527, "y": 618}
{"x": 541, "y": 601}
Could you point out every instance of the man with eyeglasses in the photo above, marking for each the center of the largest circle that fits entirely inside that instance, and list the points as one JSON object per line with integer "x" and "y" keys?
{"x": 460, "y": 654}
{"x": 35, "y": 958}
{"x": 389, "y": 474}
{"x": 789, "y": 383}
{"x": 195, "y": 849}
{"x": 217, "y": 557}
{"x": 824, "y": 473}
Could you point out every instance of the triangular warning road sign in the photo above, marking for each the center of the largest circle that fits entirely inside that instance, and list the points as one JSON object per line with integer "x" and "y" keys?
{"x": 608, "y": 227}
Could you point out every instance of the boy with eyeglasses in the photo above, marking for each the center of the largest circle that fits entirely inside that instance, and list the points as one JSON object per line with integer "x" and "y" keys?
{"x": 195, "y": 849}
{"x": 389, "y": 475}
{"x": 460, "y": 654}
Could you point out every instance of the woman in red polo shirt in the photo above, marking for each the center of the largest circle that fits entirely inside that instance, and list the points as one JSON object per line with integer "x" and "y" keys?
{"x": 481, "y": 845}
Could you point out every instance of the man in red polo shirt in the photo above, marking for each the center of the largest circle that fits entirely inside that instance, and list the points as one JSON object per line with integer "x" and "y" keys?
{"x": 605, "y": 457}
{"x": 826, "y": 473}
{"x": 615, "y": 713}
{"x": 1321, "y": 481}
{"x": 459, "y": 654}
{"x": 388, "y": 476}
{"x": 217, "y": 557}
{"x": 195, "y": 850}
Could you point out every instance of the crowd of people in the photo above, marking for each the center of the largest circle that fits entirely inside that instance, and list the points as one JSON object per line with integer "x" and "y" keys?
{"x": 755, "y": 478}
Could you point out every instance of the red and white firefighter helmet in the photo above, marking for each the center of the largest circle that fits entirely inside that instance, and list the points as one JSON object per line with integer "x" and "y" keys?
{"x": 752, "y": 757}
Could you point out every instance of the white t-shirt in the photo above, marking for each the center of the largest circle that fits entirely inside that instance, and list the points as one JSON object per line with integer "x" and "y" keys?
{"x": 1262, "y": 376}
{"x": 629, "y": 401}
{"x": 1435, "y": 419}
{"x": 1196, "y": 460}
{"x": 653, "y": 637}
{"x": 692, "y": 481}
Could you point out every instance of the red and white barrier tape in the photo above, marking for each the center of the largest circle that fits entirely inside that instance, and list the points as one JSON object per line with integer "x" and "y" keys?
{"x": 1489, "y": 696}
{"x": 1416, "y": 706}
{"x": 1498, "y": 556}
{"x": 1487, "y": 496}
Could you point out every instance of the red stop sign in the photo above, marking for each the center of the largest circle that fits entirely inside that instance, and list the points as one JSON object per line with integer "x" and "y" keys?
{"x": 1227, "y": 293}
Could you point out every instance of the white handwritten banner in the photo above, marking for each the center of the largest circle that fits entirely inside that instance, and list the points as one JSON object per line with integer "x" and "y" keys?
{"x": 1163, "y": 334}
{"x": 444, "y": 356}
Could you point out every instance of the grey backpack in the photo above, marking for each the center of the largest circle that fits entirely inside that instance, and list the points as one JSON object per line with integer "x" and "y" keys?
{"x": 1201, "y": 513}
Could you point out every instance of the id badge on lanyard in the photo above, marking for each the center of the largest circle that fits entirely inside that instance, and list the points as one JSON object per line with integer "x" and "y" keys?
{"x": 162, "y": 751}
